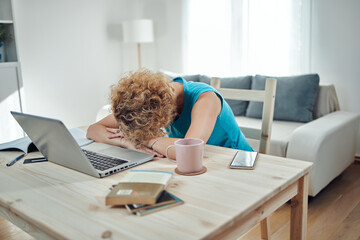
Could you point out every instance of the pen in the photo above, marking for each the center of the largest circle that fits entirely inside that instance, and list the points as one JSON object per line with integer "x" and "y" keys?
{"x": 15, "y": 160}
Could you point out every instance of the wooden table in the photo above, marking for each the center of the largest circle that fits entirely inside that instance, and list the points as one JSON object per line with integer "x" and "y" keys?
{"x": 52, "y": 202}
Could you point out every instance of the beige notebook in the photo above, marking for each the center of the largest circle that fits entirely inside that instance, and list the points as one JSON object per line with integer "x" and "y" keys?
{"x": 139, "y": 187}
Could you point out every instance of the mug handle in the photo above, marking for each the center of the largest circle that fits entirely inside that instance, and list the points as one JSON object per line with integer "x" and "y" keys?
{"x": 167, "y": 149}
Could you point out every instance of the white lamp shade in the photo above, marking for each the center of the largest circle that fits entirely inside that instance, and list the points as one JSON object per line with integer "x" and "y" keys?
{"x": 140, "y": 31}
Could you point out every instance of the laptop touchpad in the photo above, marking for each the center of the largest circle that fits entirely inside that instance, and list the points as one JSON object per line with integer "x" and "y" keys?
{"x": 123, "y": 153}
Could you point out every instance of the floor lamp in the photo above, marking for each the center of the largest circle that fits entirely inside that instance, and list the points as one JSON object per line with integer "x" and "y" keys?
{"x": 138, "y": 31}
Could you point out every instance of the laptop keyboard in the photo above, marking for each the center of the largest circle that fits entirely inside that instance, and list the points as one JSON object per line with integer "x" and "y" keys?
{"x": 102, "y": 162}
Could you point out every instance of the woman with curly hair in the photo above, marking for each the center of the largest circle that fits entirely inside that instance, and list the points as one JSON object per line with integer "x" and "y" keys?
{"x": 150, "y": 112}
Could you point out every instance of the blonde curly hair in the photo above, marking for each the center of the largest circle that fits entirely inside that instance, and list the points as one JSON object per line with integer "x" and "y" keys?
{"x": 143, "y": 103}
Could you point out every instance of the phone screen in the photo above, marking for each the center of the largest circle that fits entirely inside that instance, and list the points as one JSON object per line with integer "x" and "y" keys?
{"x": 244, "y": 160}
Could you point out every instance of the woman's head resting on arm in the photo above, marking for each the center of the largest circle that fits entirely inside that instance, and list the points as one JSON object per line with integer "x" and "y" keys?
{"x": 143, "y": 103}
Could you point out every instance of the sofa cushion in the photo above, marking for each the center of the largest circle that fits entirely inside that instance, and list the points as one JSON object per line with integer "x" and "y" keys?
{"x": 326, "y": 101}
{"x": 238, "y": 107}
{"x": 295, "y": 97}
{"x": 193, "y": 78}
{"x": 280, "y": 135}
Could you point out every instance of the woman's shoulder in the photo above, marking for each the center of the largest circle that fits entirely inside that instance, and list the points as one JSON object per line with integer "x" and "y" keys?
{"x": 194, "y": 89}
{"x": 199, "y": 87}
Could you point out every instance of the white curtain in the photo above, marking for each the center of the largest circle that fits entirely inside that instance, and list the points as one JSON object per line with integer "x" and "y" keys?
{"x": 239, "y": 37}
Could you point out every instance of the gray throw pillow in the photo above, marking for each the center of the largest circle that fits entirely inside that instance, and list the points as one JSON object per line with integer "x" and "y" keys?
{"x": 295, "y": 97}
{"x": 194, "y": 78}
{"x": 238, "y": 107}
{"x": 172, "y": 75}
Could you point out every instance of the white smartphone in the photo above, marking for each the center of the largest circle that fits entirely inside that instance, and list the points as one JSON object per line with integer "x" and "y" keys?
{"x": 244, "y": 160}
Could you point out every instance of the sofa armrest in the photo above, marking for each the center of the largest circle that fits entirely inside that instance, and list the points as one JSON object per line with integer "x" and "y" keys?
{"x": 329, "y": 142}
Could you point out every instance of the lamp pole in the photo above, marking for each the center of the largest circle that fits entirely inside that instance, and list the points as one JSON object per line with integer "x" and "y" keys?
{"x": 139, "y": 54}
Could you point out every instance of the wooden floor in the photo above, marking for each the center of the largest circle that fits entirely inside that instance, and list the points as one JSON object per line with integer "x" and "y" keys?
{"x": 333, "y": 214}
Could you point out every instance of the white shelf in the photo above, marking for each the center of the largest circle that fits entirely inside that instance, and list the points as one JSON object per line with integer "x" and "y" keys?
{"x": 8, "y": 64}
{"x": 6, "y": 21}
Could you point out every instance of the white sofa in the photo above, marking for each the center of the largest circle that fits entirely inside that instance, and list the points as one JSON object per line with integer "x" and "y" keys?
{"x": 329, "y": 141}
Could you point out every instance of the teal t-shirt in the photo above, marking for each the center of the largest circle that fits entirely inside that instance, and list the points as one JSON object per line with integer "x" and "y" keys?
{"x": 226, "y": 132}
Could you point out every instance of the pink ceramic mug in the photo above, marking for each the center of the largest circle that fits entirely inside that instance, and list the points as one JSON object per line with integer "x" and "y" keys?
{"x": 189, "y": 154}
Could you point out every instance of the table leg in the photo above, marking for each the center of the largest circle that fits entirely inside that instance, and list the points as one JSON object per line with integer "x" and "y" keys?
{"x": 265, "y": 229}
{"x": 299, "y": 208}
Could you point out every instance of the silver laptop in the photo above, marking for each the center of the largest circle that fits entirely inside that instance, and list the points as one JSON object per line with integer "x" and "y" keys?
{"x": 56, "y": 143}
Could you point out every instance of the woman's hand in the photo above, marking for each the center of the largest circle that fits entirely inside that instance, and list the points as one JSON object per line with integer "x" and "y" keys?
{"x": 142, "y": 148}
{"x": 150, "y": 151}
{"x": 116, "y": 133}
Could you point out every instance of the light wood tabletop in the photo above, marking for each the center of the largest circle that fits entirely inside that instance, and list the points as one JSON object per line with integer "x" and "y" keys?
{"x": 52, "y": 202}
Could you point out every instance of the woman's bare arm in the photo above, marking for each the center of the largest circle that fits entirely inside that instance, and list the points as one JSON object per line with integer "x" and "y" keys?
{"x": 203, "y": 116}
{"x": 99, "y": 133}
{"x": 107, "y": 131}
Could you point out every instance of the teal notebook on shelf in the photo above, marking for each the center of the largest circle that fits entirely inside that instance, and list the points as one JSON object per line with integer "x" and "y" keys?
{"x": 26, "y": 145}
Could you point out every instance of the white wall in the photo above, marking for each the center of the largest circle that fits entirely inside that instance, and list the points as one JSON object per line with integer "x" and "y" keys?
{"x": 72, "y": 51}
{"x": 335, "y": 49}
{"x": 68, "y": 57}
